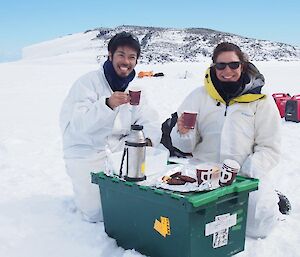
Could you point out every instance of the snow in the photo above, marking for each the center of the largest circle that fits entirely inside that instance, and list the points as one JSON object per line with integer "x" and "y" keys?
{"x": 38, "y": 217}
{"x": 66, "y": 44}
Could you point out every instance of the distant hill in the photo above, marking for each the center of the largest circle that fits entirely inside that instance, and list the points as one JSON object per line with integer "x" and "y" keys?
{"x": 160, "y": 45}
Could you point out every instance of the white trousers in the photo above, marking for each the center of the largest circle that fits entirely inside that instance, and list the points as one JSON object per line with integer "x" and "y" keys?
{"x": 86, "y": 194}
{"x": 263, "y": 210}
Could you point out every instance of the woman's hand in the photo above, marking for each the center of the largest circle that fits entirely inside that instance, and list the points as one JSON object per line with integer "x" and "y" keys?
{"x": 117, "y": 99}
{"x": 181, "y": 129}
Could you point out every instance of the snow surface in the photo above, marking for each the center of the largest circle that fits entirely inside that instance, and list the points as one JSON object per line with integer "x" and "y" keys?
{"x": 66, "y": 44}
{"x": 38, "y": 217}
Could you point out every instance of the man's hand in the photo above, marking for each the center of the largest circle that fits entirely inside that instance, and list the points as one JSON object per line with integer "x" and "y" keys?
{"x": 117, "y": 99}
{"x": 182, "y": 130}
{"x": 148, "y": 142}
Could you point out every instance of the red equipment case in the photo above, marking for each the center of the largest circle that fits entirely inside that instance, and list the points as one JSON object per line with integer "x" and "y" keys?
{"x": 292, "y": 109}
{"x": 280, "y": 100}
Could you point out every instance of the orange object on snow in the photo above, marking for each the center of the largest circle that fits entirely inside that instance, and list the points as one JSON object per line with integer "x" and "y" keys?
{"x": 142, "y": 74}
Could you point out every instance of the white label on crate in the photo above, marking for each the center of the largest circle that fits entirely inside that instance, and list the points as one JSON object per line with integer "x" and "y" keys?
{"x": 220, "y": 238}
{"x": 220, "y": 224}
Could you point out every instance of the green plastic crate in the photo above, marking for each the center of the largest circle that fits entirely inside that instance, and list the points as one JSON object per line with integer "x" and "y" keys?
{"x": 162, "y": 223}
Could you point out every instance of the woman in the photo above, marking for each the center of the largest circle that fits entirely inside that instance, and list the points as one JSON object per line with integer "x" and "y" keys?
{"x": 236, "y": 120}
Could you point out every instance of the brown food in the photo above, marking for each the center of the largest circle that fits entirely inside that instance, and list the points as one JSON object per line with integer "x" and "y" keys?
{"x": 176, "y": 181}
{"x": 176, "y": 174}
{"x": 187, "y": 178}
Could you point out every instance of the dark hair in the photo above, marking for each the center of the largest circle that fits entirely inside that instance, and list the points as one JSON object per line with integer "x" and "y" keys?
{"x": 124, "y": 39}
{"x": 229, "y": 47}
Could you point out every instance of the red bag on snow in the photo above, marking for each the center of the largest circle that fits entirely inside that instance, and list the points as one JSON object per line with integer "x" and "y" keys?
{"x": 280, "y": 100}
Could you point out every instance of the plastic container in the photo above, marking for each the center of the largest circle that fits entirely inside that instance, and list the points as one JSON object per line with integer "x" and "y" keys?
{"x": 162, "y": 223}
{"x": 292, "y": 110}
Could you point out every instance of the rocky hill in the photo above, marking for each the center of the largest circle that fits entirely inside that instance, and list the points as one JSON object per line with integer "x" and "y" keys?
{"x": 160, "y": 45}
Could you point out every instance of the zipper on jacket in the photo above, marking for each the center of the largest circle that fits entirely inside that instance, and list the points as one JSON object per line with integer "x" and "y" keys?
{"x": 225, "y": 113}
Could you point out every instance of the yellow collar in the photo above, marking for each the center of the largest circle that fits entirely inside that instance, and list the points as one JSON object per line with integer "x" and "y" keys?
{"x": 246, "y": 98}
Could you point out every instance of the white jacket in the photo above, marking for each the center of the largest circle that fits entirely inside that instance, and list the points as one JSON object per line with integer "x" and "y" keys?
{"x": 249, "y": 132}
{"x": 89, "y": 125}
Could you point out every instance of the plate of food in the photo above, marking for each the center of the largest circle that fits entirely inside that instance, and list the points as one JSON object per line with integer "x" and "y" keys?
{"x": 190, "y": 178}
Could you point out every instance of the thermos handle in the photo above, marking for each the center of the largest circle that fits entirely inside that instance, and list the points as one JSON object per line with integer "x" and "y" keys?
{"x": 295, "y": 97}
{"x": 127, "y": 161}
{"x": 275, "y": 95}
{"x": 123, "y": 157}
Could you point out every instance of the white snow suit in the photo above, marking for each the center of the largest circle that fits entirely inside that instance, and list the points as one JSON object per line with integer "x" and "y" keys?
{"x": 89, "y": 127}
{"x": 246, "y": 130}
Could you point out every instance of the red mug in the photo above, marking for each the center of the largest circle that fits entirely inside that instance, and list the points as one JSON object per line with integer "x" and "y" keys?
{"x": 135, "y": 97}
{"x": 189, "y": 119}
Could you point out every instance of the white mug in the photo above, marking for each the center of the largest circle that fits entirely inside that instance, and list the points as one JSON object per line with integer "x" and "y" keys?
{"x": 229, "y": 170}
{"x": 211, "y": 175}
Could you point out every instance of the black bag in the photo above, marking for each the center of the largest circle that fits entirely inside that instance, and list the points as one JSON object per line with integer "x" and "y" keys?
{"x": 166, "y": 140}
{"x": 159, "y": 74}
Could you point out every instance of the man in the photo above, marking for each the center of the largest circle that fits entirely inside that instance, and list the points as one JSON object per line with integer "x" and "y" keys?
{"x": 96, "y": 116}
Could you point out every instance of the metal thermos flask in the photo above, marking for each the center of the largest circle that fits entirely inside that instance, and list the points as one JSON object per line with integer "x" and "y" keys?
{"x": 135, "y": 152}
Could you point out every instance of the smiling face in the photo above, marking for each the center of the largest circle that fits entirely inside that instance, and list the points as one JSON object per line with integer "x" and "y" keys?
{"x": 228, "y": 74}
{"x": 123, "y": 60}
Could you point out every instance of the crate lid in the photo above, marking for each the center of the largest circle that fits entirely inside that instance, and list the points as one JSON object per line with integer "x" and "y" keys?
{"x": 197, "y": 199}
{"x": 240, "y": 185}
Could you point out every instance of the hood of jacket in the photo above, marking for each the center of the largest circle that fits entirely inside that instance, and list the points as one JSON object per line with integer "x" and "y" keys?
{"x": 251, "y": 92}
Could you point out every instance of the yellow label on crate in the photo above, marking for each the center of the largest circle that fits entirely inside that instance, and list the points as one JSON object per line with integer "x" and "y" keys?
{"x": 143, "y": 167}
{"x": 162, "y": 226}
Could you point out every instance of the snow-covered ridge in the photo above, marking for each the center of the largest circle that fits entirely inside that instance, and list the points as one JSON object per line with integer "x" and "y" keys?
{"x": 160, "y": 45}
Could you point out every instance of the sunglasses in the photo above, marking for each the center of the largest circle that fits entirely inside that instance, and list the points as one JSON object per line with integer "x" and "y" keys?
{"x": 231, "y": 65}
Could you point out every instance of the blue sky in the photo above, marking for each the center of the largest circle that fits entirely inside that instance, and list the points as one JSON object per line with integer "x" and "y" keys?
{"x": 27, "y": 22}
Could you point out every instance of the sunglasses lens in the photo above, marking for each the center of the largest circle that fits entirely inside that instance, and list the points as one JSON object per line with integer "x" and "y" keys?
{"x": 234, "y": 65}
{"x": 222, "y": 65}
